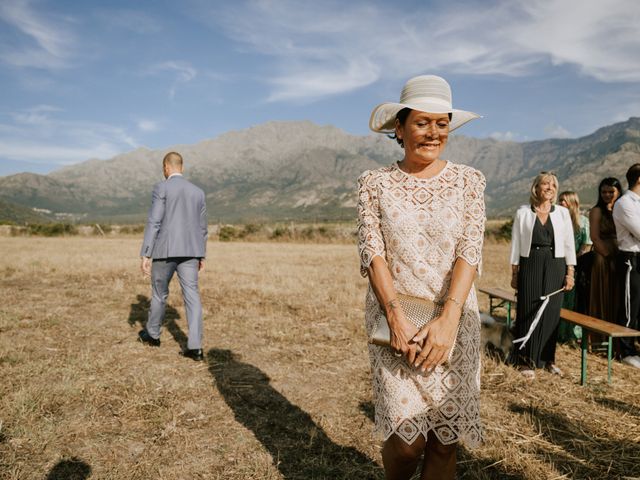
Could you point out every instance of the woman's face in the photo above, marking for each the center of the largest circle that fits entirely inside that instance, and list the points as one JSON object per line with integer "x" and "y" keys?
{"x": 563, "y": 202}
{"x": 424, "y": 135}
{"x": 547, "y": 190}
{"x": 609, "y": 194}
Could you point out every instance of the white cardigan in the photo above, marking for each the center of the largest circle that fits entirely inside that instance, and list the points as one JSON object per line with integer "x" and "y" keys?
{"x": 564, "y": 241}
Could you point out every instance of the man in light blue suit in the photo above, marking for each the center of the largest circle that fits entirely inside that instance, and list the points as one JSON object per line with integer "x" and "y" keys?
{"x": 175, "y": 240}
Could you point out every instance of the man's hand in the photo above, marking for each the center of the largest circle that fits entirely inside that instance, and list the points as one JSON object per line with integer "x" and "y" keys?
{"x": 145, "y": 266}
{"x": 201, "y": 265}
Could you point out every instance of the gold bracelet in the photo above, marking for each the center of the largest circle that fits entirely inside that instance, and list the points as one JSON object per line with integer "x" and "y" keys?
{"x": 455, "y": 300}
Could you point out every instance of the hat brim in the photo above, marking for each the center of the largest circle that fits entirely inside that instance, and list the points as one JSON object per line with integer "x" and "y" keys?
{"x": 383, "y": 117}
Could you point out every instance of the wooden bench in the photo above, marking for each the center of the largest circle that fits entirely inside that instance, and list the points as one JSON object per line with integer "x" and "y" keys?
{"x": 611, "y": 330}
{"x": 602, "y": 327}
{"x": 504, "y": 298}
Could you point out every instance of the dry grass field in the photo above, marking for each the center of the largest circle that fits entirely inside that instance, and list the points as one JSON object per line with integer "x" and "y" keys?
{"x": 284, "y": 392}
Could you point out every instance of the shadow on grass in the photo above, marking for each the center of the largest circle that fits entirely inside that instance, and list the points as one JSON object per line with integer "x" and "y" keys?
{"x": 369, "y": 410}
{"x": 299, "y": 447}
{"x": 469, "y": 466}
{"x": 622, "y": 407}
{"x": 585, "y": 452}
{"x": 140, "y": 311}
{"x": 480, "y": 468}
{"x": 69, "y": 469}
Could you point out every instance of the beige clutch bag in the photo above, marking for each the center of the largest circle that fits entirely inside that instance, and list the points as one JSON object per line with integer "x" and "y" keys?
{"x": 418, "y": 311}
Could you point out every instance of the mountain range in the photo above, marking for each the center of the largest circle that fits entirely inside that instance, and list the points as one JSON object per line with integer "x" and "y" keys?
{"x": 301, "y": 171}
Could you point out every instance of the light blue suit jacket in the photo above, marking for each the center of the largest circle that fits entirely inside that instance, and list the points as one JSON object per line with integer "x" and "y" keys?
{"x": 177, "y": 223}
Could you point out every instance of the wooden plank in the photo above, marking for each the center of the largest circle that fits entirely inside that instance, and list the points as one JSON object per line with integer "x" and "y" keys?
{"x": 597, "y": 325}
{"x": 591, "y": 323}
{"x": 499, "y": 293}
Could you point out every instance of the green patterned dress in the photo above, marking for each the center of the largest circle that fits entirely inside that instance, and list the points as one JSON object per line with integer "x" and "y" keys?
{"x": 568, "y": 331}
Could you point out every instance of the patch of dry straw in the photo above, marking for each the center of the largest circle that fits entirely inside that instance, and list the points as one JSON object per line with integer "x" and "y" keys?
{"x": 285, "y": 390}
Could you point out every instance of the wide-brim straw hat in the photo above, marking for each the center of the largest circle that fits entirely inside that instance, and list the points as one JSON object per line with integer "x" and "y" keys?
{"x": 425, "y": 93}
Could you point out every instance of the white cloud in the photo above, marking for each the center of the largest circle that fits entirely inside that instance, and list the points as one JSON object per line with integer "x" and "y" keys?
{"x": 38, "y": 115}
{"x": 307, "y": 85}
{"x": 36, "y": 152}
{"x": 554, "y": 130}
{"x": 48, "y": 44}
{"x": 505, "y": 136}
{"x": 132, "y": 20}
{"x": 326, "y": 48}
{"x": 183, "y": 73}
{"x": 146, "y": 125}
{"x": 38, "y": 135}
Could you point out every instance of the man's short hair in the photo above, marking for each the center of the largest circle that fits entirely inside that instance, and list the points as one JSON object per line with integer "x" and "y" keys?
{"x": 633, "y": 174}
{"x": 172, "y": 159}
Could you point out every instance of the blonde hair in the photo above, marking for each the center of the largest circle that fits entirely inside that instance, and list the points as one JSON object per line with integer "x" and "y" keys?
{"x": 573, "y": 204}
{"x": 534, "y": 199}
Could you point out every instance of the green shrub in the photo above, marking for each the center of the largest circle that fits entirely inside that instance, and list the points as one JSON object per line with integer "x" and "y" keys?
{"x": 51, "y": 229}
{"x": 228, "y": 233}
{"x": 250, "y": 229}
{"x": 131, "y": 229}
{"x": 504, "y": 232}
{"x": 308, "y": 233}
{"x": 280, "y": 233}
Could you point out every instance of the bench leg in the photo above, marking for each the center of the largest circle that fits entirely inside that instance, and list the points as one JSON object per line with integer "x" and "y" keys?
{"x": 508, "y": 314}
{"x": 609, "y": 350}
{"x": 583, "y": 362}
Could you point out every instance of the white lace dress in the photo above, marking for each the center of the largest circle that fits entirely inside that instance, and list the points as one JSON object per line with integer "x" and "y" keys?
{"x": 420, "y": 227}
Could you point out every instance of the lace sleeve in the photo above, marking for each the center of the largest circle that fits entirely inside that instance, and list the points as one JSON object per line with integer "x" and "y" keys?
{"x": 370, "y": 239}
{"x": 469, "y": 247}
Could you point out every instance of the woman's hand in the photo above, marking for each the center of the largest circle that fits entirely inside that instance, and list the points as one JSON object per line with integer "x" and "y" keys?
{"x": 569, "y": 283}
{"x": 514, "y": 277}
{"x": 437, "y": 338}
{"x": 402, "y": 331}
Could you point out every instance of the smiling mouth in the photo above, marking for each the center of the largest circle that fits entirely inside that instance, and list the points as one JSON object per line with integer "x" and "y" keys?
{"x": 428, "y": 145}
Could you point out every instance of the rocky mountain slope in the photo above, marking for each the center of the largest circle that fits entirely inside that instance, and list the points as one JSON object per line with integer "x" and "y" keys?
{"x": 299, "y": 170}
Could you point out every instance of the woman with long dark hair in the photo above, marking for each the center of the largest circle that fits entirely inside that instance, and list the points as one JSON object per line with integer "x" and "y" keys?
{"x": 604, "y": 290}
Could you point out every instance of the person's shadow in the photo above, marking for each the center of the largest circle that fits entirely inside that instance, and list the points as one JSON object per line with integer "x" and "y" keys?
{"x": 299, "y": 447}
{"x": 585, "y": 452}
{"x": 69, "y": 469}
{"x": 139, "y": 312}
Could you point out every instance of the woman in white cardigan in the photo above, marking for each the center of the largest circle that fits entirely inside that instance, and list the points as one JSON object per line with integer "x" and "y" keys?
{"x": 543, "y": 258}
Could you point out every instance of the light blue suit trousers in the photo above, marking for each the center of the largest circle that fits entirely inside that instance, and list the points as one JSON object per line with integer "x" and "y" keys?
{"x": 161, "y": 274}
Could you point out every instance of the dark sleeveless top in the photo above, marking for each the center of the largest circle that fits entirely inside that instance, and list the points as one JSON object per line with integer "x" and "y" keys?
{"x": 542, "y": 235}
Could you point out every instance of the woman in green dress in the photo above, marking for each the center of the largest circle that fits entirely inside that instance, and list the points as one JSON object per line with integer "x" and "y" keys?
{"x": 570, "y": 200}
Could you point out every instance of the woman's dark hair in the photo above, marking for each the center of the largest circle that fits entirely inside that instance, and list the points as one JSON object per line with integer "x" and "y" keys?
{"x": 401, "y": 116}
{"x": 608, "y": 182}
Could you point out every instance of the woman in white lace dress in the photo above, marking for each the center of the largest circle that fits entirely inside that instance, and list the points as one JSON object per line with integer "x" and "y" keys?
{"x": 420, "y": 226}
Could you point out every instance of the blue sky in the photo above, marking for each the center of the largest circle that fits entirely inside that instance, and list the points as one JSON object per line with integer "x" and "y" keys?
{"x": 92, "y": 79}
